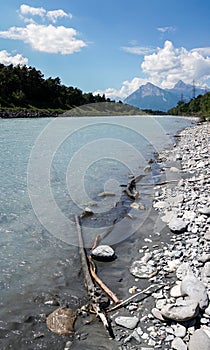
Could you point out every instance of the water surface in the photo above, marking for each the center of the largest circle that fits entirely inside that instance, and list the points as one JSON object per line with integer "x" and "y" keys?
{"x": 50, "y": 171}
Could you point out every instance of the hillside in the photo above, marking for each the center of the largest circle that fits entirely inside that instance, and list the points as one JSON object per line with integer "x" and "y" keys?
{"x": 26, "y": 87}
{"x": 199, "y": 106}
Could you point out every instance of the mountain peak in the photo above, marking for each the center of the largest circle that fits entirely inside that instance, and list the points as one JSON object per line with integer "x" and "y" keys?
{"x": 180, "y": 85}
{"x": 150, "y": 96}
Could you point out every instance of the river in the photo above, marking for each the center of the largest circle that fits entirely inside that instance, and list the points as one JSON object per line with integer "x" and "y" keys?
{"x": 51, "y": 169}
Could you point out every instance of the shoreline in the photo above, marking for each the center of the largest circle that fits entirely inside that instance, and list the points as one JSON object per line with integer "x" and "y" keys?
{"x": 176, "y": 253}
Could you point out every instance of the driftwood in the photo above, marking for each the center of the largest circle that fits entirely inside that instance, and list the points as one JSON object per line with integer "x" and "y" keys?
{"x": 146, "y": 291}
{"x": 100, "y": 283}
{"x": 94, "y": 302}
{"x": 130, "y": 189}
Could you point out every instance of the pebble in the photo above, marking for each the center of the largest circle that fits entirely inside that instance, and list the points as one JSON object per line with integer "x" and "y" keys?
{"x": 178, "y": 344}
{"x": 141, "y": 269}
{"x": 177, "y": 225}
{"x": 179, "y": 330}
{"x": 103, "y": 252}
{"x": 127, "y": 322}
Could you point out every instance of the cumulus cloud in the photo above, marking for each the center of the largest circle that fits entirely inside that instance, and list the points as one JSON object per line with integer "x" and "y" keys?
{"x": 46, "y": 38}
{"x": 138, "y": 50}
{"x": 204, "y": 51}
{"x": 53, "y": 16}
{"x": 6, "y": 58}
{"x": 166, "y": 66}
{"x": 170, "y": 64}
{"x": 126, "y": 89}
{"x": 33, "y": 11}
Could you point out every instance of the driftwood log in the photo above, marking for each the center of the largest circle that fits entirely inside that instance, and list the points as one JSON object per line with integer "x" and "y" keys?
{"x": 92, "y": 293}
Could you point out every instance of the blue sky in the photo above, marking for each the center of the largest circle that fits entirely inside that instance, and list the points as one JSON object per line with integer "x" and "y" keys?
{"x": 109, "y": 46}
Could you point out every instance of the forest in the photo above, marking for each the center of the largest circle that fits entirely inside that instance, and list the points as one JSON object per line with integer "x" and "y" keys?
{"x": 26, "y": 87}
{"x": 199, "y": 107}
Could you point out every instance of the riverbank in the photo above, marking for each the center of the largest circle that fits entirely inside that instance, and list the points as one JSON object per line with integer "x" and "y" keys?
{"x": 178, "y": 315}
{"x": 27, "y": 113}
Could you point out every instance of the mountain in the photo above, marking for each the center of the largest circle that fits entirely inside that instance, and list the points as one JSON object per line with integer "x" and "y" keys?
{"x": 152, "y": 97}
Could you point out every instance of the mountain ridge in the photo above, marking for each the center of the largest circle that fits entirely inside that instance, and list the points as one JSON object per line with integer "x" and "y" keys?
{"x": 150, "y": 96}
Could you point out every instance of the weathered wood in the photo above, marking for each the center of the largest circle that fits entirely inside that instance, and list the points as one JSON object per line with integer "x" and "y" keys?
{"x": 89, "y": 282}
{"x": 127, "y": 301}
{"x": 100, "y": 282}
{"x": 130, "y": 189}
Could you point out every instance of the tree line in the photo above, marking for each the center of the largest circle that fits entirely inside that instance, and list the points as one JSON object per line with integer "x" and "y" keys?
{"x": 26, "y": 87}
{"x": 199, "y": 106}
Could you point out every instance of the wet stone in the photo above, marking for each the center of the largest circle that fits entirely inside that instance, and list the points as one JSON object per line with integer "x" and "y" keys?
{"x": 103, "y": 253}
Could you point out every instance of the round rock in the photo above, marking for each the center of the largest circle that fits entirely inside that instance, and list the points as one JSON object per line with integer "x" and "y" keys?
{"x": 177, "y": 225}
{"x": 127, "y": 322}
{"x": 180, "y": 312}
{"x": 103, "y": 253}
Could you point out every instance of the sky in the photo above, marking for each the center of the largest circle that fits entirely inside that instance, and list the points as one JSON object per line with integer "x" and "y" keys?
{"x": 111, "y": 46}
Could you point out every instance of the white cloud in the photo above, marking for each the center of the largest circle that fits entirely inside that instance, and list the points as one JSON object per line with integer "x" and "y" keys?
{"x": 204, "y": 51}
{"x": 126, "y": 89}
{"x": 166, "y": 29}
{"x": 6, "y": 58}
{"x": 46, "y": 38}
{"x": 171, "y": 64}
{"x": 165, "y": 67}
{"x": 54, "y": 15}
{"x": 34, "y": 11}
{"x": 138, "y": 50}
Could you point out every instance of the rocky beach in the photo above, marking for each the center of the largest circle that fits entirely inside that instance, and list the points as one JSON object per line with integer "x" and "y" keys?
{"x": 175, "y": 312}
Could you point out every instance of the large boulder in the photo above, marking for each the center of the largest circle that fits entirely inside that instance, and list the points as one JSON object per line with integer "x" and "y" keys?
{"x": 182, "y": 311}
{"x": 199, "y": 340}
{"x": 195, "y": 289}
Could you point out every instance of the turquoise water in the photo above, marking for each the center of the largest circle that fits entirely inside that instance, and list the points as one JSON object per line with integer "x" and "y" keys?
{"x": 50, "y": 171}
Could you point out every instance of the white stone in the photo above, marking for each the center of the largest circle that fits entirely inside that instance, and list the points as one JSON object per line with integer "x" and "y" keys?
{"x": 199, "y": 340}
{"x": 182, "y": 270}
{"x": 179, "y": 330}
{"x": 175, "y": 291}
{"x": 195, "y": 289}
{"x": 127, "y": 322}
{"x": 177, "y": 225}
{"x": 103, "y": 252}
{"x": 180, "y": 312}
{"x": 178, "y": 344}
{"x": 142, "y": 270}
{"x": 204, "y": 210}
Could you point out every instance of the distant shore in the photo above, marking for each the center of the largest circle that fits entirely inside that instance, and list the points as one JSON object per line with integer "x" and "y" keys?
{"x": 27, "y": 113}
{"x": 76, "y": 112}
